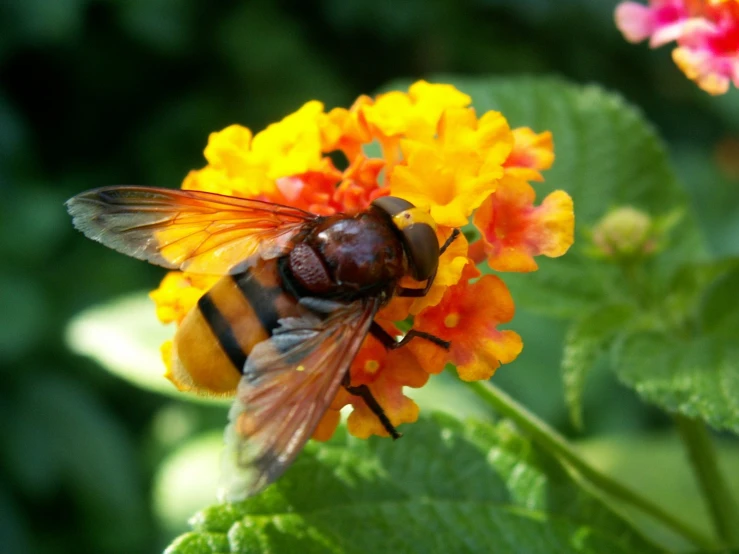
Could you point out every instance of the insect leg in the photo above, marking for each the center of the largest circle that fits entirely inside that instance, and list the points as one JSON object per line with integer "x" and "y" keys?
{"x": 365, "y": 394}
{"x": 417, "y": 293}
{"x": 389, "y": 342}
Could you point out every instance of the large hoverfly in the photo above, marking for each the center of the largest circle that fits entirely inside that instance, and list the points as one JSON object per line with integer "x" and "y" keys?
{"x": 298, "y": 296}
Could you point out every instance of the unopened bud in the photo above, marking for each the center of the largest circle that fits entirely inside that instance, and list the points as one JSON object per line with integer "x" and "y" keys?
{"x": 625, "y": 233}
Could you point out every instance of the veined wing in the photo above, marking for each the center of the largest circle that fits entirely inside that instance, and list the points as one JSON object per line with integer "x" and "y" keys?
{"x": 289, "y": 382}
{"x": 195, "y": 231}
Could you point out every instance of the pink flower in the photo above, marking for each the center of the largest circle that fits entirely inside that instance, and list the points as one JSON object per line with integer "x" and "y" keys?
{"x": 662, "y": 20}
{"x": 708, "y": 51}
{"x": 706, "y": 31}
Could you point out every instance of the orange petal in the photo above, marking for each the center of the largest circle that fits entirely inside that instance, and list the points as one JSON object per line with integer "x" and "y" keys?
{"x": 363, "y": 423}
{"x": 514, "y": 230}
{"x": 531, "y": 154}
{"x": 468, "y": 317}
{"x": 327, "y": 425}
{"x": 369, "y": 363}
{"x": 503, "y": 348}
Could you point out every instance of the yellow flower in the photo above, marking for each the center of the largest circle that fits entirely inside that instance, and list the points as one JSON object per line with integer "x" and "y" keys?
{"x": 452, "y": 175}
{"x": 291, "y": 146}
{"x": 432, "y": 100}
{"x": 414, "y": 114}
{"x": 178, "y": 293}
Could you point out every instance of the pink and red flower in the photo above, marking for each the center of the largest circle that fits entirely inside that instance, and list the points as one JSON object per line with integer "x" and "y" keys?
{"x": 706, "y": 32}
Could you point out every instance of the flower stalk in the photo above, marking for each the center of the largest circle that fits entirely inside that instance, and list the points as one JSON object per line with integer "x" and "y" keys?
{"x": 546, "y": 437}
{"x": 702, "y": 455}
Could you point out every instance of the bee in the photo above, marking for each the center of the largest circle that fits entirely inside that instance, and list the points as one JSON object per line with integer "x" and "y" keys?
{"x": 298, "y": 295}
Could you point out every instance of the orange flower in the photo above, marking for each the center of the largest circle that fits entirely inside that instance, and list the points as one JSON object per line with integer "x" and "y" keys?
{"x": 468, "y": 317}
{"x": 359, "y": 185}
{"x": 440, "y": 156}
{"x": 346, "y": 130}
{"x": 514, "y": 230}
{"x": 291, "y": 146}
{"x": 385, "y": 373}
{"x": 331, "y": 418}
{"x": 531, "y": 154}
{"x": 312, "y": 191}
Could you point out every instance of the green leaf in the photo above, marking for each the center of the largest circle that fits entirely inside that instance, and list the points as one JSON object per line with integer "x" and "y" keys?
{"x": 607, "y": 155}
{"x": 691, "y": 368}
{"x": 719, "y": 310}
{"x": 697, "y": 377}
{"x": 445, "y": 487}
{"x": 688, "y": 289}
{"x": 586, "y": 340}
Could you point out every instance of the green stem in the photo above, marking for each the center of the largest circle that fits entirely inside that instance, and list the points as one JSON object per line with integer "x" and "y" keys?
{"x": 548, "y": 438}
{"x": 715, "y": 490}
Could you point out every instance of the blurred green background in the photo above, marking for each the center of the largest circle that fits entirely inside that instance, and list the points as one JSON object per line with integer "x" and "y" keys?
{"x": 98, "y": 92}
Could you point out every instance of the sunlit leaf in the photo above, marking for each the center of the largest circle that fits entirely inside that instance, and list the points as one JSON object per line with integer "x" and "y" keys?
{"x": 690, "y": 363}
{"x": 696, "y": 376}
{"x": 187, "y": 480}
{"x": 445, "y": 487}
{"x": 124, "y": 336}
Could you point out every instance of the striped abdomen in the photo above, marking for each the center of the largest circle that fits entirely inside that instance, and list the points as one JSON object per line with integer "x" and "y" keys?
{"x": 215, "y": 338}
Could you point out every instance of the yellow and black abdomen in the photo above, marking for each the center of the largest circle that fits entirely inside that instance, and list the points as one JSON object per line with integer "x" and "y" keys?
{"x": 217, "y": 335}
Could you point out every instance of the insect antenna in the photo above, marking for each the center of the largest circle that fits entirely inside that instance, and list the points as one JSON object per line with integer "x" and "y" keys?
{"x": 449, "y": 241}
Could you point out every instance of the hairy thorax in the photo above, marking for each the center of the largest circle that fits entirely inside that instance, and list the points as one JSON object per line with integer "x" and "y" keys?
{"x": 348, "y": 257}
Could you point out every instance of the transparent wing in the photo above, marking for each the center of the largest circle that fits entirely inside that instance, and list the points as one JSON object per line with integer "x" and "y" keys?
{"x": 289, "y": 381}
{"x": 197, "y": 231}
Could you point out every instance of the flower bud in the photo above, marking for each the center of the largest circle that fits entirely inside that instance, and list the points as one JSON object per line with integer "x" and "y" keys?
{"x": 624, "y": 233}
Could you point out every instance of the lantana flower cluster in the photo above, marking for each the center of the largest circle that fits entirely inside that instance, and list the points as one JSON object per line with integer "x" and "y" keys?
{"x": 435, "y": 152}
{"x": 706, "y": 33}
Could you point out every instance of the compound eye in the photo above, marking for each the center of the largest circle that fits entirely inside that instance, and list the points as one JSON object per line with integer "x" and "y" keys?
{"x": 423, "y": 250}
{"x": 392, "y": 205}
{"x": 419, "y": 235}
